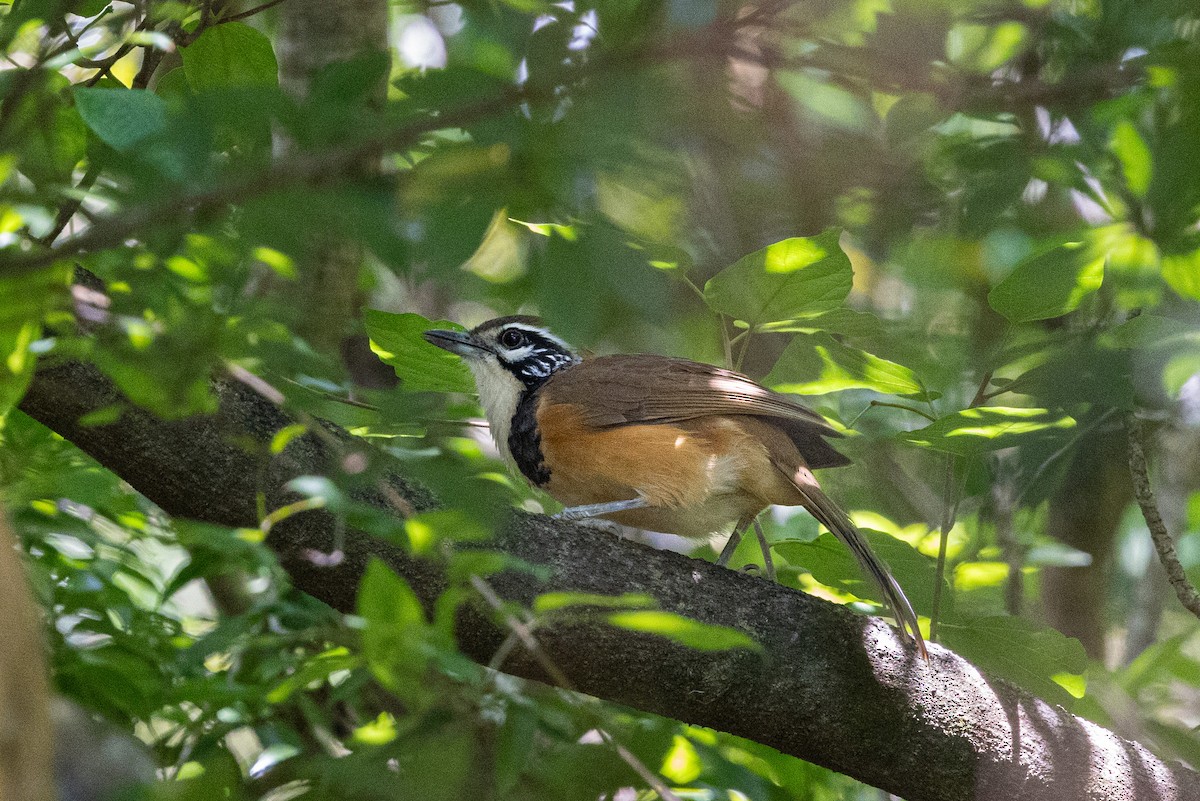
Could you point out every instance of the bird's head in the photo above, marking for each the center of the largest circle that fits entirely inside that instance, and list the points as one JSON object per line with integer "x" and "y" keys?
{"x": 507, "y": 350}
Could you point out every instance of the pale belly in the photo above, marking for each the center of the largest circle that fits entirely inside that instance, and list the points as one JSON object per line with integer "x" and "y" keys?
{"x": 716, "y": 515}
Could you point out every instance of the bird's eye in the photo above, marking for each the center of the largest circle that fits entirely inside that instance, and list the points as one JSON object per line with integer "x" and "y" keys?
{"x": 512, "y": 338}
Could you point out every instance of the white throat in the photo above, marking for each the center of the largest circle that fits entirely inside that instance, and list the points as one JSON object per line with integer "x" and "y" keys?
{"x": 499, "y": 393}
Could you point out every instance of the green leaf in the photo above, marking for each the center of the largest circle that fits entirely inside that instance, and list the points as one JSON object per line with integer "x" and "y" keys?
{"x": 427, "y": 530}
{"x": 1136, "y": 162}
{"x": 847, "y": 322}
{"x": 1048, "y": 285}
{"x": 23, "y": 301}
{"x": 397, "y": 340}
{"x": 515, "y": 744}
{"x": 1181, "y": 271}
{"x": 52, "y": 149}
{"x": 1023, "y": 652}
{"x": 817, "y": 364}
{"x": 832, "y": 564}
{"x": 317, "y": 668}
{"x": 229, "y": 55}
{"x": 556, "y": 601}
{"x": 386, "y": 599}
{"x": 784, "y": 281}
{"x": 396, "y": 635}
{"x": 683, "y": 630}
{"x": 121, "y": 117}
{"x": 1152, "y": 331}
{"x": 990, "y": 428}
{"x": 1179, "y": 370}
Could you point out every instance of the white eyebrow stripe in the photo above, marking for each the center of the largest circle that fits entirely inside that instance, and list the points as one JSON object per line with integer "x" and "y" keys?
{"x": 533, "y": 329}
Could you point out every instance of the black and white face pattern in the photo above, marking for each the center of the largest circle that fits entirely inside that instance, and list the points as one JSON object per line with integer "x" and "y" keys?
{"x": 525, "y": 349}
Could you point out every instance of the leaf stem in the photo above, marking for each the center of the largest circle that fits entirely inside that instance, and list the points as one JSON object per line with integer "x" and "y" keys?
{"x": 905, "y": 407}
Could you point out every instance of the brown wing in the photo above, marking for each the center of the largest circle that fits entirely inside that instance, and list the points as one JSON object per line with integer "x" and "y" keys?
{"x": 642, "y": 388}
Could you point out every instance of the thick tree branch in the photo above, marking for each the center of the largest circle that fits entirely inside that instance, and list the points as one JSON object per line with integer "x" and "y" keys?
{"x": 829, "y": 686}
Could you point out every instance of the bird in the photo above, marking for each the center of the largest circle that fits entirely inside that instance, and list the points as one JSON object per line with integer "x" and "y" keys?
{"x": 657, "y": 442}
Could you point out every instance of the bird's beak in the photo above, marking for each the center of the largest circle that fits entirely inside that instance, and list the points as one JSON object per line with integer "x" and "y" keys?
{"x": 458, "y": 342}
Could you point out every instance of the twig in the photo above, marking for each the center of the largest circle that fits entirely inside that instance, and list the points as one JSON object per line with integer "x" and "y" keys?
{"x": 952, "y": 496}
{"x": 69, "y": 209}
{"x": 1052, "y": 458}
{"x": 1163, "y": 542}
{"x": 524, "y": 634}
{"x": 265, "y": 390}
{"x": 981, "y": 393}
{"x": 905, "y": 407}
{"x": 749, "y": 333}
{"x": 249, "y": 13}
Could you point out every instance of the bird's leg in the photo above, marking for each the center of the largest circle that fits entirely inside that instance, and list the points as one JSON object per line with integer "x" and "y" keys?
{"x": 734, "y": 539}
{"x": 766, "y": 550}
{"x": 597, "y": 509}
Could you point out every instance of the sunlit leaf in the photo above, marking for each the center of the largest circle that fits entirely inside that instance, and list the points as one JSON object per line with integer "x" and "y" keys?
{"x": 784, "y": 281}
{"x": 229, "y": 55}
{"x": 847, "y": 322}
{"x": 396, "y": 632}
{"x": 683, "y": 630}
{"x": 23, "y": 302}
{"x": 1181, "y": 271}
{"x": 380, "y": 731}
{"x": 990, "y": 428}
{"x": 816, "y": 364}
{"x": 832, "y": 564}
{"x": 682, "y": 764}
{"x": 1136, "y": 161}
{"x": 317, "y": 668}
{"x": 1021, "y": 651}
{"x": 1050, "y": 284}
{"x": 1181, "y": 369}
{"x": 285, "y": 435}
{"x": 428, "y": 529}
{"x": 556, "y": 601}
{"x": 397, "y": 340}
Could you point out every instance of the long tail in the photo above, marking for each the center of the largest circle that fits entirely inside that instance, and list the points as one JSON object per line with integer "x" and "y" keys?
{"x": 829, "y": 514}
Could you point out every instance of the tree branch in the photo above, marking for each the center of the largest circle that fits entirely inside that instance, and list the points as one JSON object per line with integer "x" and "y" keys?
{"x": 829, "y": 686}
{"x": 1163, "y": 542}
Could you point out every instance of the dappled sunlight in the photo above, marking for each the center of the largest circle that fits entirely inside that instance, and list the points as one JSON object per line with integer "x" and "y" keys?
{"x": 737, "y": 387}
{"x": 950, "y": 248}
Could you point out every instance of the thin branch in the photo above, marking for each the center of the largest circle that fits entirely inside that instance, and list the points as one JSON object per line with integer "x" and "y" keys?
{"x": 1163, "y": 542}
{"x": 71, "y": 207}
{"x": 951, "y": 496}
{"x": 524, "y": 634}
{"x": 745, "y": 348}
{"x": 247, "y": 14}
{"x": 903, "y": 406}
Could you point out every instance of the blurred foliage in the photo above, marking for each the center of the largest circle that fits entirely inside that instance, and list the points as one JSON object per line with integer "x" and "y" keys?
{"x": 969, "y": 228}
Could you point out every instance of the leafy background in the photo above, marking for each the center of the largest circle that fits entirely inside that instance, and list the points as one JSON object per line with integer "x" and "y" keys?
{"x": 966, "y": 231}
